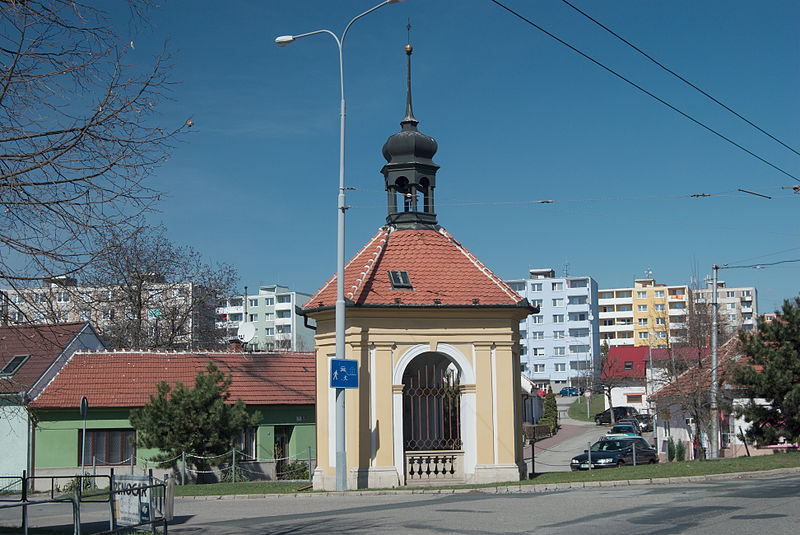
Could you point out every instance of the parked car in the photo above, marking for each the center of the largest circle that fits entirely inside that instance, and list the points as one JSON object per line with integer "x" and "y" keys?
{"x": 632, "y": 421}
{"x": 619, "y": 413}
{"x": 645, "y": 421}
{"x": 570, "y": 391}
{"x": 623, "y": 429}
{"x": 615, "y": 452}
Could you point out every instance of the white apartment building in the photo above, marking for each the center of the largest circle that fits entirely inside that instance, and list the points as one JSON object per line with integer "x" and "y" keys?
{"x": 738, "y": 307}
{"x": 560, "y": 344}
{"x": 273, "y": 315}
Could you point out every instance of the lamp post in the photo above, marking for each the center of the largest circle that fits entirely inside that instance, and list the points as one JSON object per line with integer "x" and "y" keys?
{"x": 341, "y": 455}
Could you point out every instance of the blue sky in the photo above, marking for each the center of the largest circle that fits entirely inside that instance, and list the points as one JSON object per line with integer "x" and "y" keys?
{"x": 518, "y": 118}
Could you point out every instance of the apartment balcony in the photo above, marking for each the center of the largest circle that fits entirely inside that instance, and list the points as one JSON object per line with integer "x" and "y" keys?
{"x": 227, "y": 324}
{"x": 677, "y": 311}
{"x": 674, "y": 297}
{"x": 746, "y": 309}
{"x": 283, "y": 321}
{"x": 615, "y": 301}
{"x": 614, "y": 315}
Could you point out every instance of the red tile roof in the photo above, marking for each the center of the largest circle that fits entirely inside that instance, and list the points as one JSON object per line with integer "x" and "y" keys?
{"x": 42, "y": 342}
{"x": 441, "y": 270}
{"x": 128, "y": 378}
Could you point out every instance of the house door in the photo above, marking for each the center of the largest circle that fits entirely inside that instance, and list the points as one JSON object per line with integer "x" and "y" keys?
{"x": 283, "y": 434}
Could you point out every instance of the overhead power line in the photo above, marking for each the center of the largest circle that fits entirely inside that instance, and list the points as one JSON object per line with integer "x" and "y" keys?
{"x": 760, "y": 266}
{"x": 679, "y": 77}
{"x": 646, "y": 92}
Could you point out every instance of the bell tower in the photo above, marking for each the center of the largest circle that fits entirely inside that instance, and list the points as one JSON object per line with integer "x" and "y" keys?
{"x": 410, "y": 174}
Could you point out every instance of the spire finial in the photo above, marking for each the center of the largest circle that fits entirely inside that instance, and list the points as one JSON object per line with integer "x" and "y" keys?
{"x": 409, "y": 122}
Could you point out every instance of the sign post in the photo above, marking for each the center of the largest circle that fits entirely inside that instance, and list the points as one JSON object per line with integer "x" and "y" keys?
{"x": 587, "y": 395}
{"x": 344, "y": 374}
{"x": 84, "y": 413}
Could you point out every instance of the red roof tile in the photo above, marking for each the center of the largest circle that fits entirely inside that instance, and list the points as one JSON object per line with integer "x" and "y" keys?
{"x": 42, "y": 342}
{"x": 128, "y": 378}
{"x": 441, "y": 270}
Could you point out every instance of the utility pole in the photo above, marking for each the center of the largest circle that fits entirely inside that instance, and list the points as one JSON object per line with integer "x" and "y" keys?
{"x": 714, "y": 427}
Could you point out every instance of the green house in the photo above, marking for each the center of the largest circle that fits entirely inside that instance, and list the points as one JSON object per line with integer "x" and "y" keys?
{"x": 280, "y": 386}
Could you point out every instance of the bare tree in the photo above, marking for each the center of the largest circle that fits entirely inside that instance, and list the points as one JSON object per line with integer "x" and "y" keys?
{"x": 78, "y": 135}
{"x": 611, "y": 375}
{"x": 146, "y": 292}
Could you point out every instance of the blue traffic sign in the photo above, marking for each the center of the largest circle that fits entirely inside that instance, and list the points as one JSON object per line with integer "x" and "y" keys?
{"x": 344, "y": 373}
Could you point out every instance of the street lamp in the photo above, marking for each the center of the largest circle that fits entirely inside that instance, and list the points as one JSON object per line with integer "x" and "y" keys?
{"x": 281, "y": 41}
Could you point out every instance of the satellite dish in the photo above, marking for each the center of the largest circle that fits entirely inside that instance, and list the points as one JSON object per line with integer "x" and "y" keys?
{"x": 246, "y": 332}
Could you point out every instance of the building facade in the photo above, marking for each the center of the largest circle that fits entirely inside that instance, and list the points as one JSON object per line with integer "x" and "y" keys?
{"x": 647, "y": 314}
{"x": 738, "y": 307}
{"x": 273, "y": 315}
{"x": 560, "y": 343}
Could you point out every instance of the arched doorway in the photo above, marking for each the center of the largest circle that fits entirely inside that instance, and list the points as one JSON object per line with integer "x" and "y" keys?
{"x": 432, "y": 443}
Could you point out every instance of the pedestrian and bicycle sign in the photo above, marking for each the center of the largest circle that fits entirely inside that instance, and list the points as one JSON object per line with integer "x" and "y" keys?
{"x": 344, "y": 373}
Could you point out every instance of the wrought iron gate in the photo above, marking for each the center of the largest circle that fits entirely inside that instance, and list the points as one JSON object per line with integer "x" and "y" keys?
{"x": 432, "y": 409}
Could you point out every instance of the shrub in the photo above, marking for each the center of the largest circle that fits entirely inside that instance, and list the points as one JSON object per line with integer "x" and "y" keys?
{"x": 670, "y": 450}
{"x": 227, "y": 476}
{"x": 294, "y": 470}
{"x": 680, "y": 451}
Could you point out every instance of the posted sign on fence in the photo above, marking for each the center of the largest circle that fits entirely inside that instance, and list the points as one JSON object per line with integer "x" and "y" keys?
{"x": 132, "y": 504}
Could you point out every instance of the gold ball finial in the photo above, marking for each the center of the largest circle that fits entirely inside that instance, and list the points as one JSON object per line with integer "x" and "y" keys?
{"x": 409, "y": 48}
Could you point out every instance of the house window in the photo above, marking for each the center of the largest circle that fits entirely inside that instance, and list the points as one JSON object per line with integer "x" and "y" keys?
{"x": 559, "y": 351}
{"x": 558, "y": 318}
{"x": 558, "y": 286}
{"x": 576, "y": 300}
{"x": 17, "y": 316}
{"x": 538, "y": 368}
{"x": 537, "y": 351}
{"x": 537, "y": 319}
{"x": 62, "y": 297}
{"x": 252, "y": 302}
{"x": 641, "y": 308}
{"x": 641, "y": 295}
{"x": 558, "y": 302}
{"x": 560, "y": 367}
{"x": 246, "y": 443}
{"x": 536, "y": 287}
{"x": 659, "y": 294}
{"x": 537, "y": 335}
{"x": 14, "y": 364}
{"x": 107, "y": 446}
{"x": 628, "y": 365}
{"x": 558, "y": 335}
{"x": 634, "y": 398}
{"x": 399, "y": 280}
{"x": 269, "y": 301}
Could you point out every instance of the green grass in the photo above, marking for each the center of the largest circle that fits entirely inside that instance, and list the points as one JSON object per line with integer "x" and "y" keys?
{"x": 577, "y": 411}
{"x": 247, "y": 487}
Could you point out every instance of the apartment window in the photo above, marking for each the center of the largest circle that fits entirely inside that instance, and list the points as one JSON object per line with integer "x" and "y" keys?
{"x": 560, "y": 367}
{"x": 644, "y": 335}
{"x": 661, "y": 321}
{"x": 661, "y": 335}
{"x": 107, "y": 446}
{"x": 747, "y": 316}
{"x": 284, "y": 314}
{"x": 676, "y": 306}
{"x": 641, "y": 295}
{"x": 730, "y": 294}
{"x": 269, "y": 331}
{"x": 536, "y": 302}
{"x": 179, "y": 292}
{"x": 625, "y": 334}
{"x": 523, "y": 350}
{"x": 677, "y": 319}
{"x": 625, "y": 321}
{"x": 84, "y": 315}
{"x": 578, "y": 333}
{"x": 607, "y": 309}
{"x": 538, "y": 368}
{"x": 536, "y": 287}
{"x": 607, "y": 323}
{"x": 577, "y": 316}
{"x": 537, "y": 335}
{"x": 641, "y": 321}
{"x": 580, "y": 348}
{"x": 659, "y": 307}
{"x": 558, "y": 335}
{"x": 557, "y": 286}
{"x": 745, "y": 293}
{"x": 579, "y": 365}
{"x": 558, "y": 318}
{"x": 578, "y": 283}
{"x": 15, "y": 298}
{"x": 284, "y": 329}
{"x": 16, "y": 316}
{"x": 731, "y": 306}
{"x": 731, "y": 317}
{"x": 577, "y": 300}
{"x": 252, "y": 302}
{"x": 517, "y": 286}
{"x": 269, "y": 301}
{"x": 284, "y": 299}
{"x": 154, "y": 294}
{"x": 523, "y": 334}
{"x": 269, "y": 316}
{"x": 626, "y": 293}
{"x": 40, "y": 298}
{"x": 108, "y": 314}
{"x": 235, "y": 317}
{"x": 607, "y": 295}
{"x": 659, "y": 294}
{"x": 558, "y": 302}
{"x": 537, "y": 351}
{"x": 624, "y": 308}
{"x": 537, "y": 319}
{"x": 608, "y": 336}
{"x": 253, "y": 317}
{"x": 62, "y": 297}
{"x": 559, "y": 351}
{"x": 641, "y": 308}
{"x": 628, "y": 365}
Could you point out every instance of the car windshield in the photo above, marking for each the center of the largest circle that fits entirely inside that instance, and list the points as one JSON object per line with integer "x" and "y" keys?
{"x": 610, "y": 445}
{"x": 622, "y": 429}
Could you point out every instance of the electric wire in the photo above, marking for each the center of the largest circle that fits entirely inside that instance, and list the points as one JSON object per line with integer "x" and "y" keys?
{"x": 646, "y": 92}
{"x": 762, "y": 265}
{"x": 679, "y": 77}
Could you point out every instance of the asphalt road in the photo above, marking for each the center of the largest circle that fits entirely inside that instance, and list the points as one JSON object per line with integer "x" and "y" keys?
{"x": 768, "y": 504}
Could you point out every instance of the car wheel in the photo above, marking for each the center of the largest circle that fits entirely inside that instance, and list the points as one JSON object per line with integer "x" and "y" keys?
{"x": 652, "y": 461}
{"x": 620, "y": 463}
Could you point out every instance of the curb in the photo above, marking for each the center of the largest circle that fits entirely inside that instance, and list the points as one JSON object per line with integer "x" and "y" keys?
{"x": 514, "y": 489}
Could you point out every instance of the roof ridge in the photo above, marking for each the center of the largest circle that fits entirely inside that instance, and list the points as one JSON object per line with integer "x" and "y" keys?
{"x": 371, "y": 262}
{"x": 481, "y": 266}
